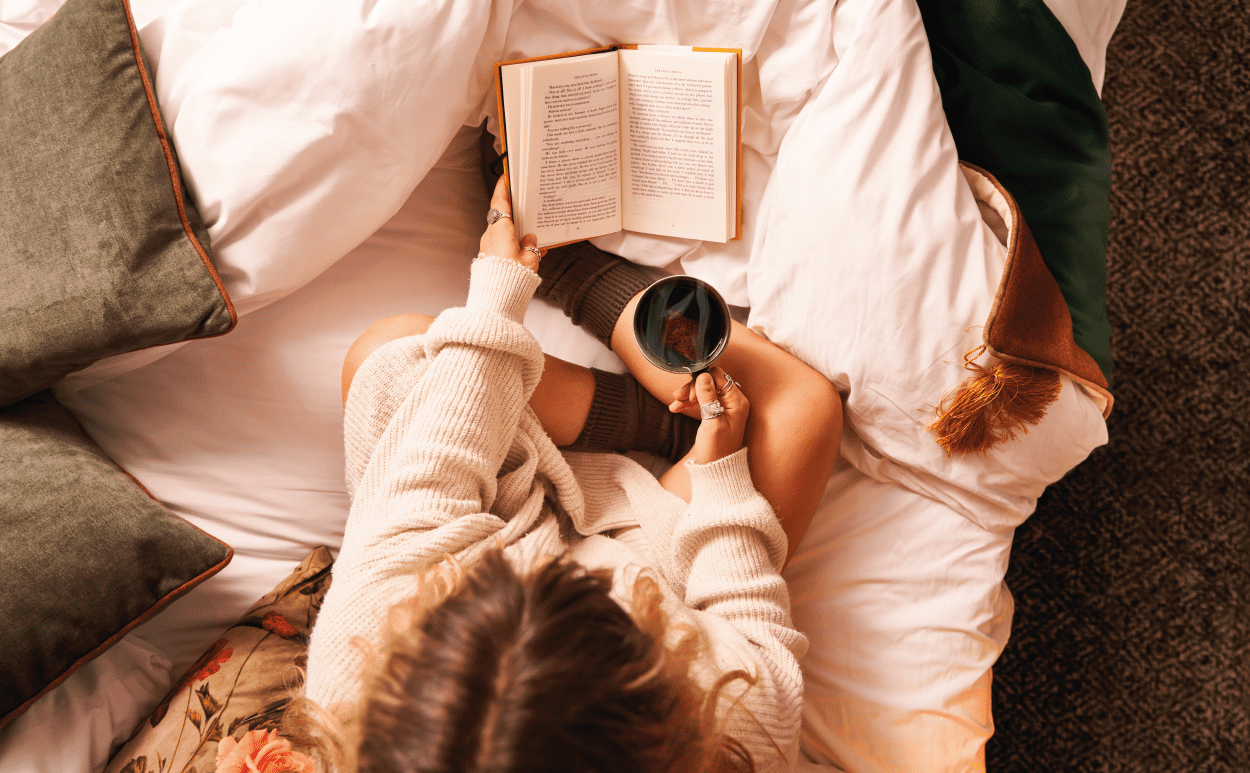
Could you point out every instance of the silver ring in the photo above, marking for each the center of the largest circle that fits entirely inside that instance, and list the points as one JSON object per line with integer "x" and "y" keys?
{"x": 729, "y": 386}
{"x": 712, "y": 410}
{"x": 535, "y": 250}
{"x": 494, "y": 216}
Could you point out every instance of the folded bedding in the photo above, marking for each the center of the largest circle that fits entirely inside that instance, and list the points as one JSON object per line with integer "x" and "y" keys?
{"x": 333, "y": 155}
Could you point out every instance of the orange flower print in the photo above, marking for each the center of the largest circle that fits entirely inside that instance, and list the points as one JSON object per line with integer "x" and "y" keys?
{"x": 213, "y": 660}
{"x": 208, "y": 664}
{"x": 261, "y": 751}
{"x": 277, "y": 624}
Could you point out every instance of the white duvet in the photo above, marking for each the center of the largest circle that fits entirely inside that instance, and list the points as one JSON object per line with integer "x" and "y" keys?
{"x": 304, "y": 126}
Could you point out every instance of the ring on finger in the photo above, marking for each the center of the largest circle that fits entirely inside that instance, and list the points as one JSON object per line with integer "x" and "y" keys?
{"x": 494, "y": 216}
{"x": 711, "y": 410}
{"x": 728, "y": 387}
{"x": 537, "y": 253}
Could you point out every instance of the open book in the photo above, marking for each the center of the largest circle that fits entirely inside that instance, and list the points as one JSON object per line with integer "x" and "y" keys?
{"x": 641, "y": 138}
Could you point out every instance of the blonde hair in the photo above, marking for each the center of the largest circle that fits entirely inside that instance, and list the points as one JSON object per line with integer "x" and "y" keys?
{"x": 489, "y": 671}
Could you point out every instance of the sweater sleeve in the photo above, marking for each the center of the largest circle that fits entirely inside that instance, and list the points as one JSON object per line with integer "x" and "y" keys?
{"x": 726, "y": 556}
{"x": 444, "y": 409}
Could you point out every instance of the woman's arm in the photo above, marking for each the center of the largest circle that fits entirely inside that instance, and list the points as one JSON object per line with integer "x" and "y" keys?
{"x": 723, "y": 558}
{"x": 726, "y": 555}
{"x": 794, "y": 430}
{"x": 428, "y": 423}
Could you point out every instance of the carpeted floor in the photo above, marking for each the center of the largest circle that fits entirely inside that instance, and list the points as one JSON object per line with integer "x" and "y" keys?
{"x": 1131, "y": 644}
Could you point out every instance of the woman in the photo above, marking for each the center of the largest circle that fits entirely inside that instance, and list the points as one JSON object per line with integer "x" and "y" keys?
{"x": 604, "y": 621}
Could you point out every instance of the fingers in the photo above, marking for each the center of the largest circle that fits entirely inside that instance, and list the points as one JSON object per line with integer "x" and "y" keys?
{"x": 723, "y": 435}
{"x": 682, "y": 399}
{"x": 731, "y": 396}
{"x": 501, "y": 199}
{"x": 715, "y": 385}
{"x": 685, "y": 399}
{"x": 530, "y": 241}
{"x": 500, "y": 237}
{"x": 529, "y": 255}
{"x": 705, "y": 388}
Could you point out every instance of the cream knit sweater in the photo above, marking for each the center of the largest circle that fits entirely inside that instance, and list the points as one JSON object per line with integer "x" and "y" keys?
{"x": 445, "y": 456}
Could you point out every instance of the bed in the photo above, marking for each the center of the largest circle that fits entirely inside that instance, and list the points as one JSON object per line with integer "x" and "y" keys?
{"x": 334, "y": 153}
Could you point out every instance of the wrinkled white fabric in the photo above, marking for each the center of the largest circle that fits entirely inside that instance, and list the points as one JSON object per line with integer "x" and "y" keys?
{"x": 241, "y": 434}
{"x": 872, "y": 264}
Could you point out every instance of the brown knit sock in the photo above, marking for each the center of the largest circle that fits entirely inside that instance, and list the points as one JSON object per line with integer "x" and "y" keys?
{"x": 589, "y": 285}
{"x": 625, "y": 417}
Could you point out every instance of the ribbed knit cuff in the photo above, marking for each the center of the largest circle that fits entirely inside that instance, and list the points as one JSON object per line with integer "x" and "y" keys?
{"x": 723, "y": 483}
{"x": 591, "y": 286}
{"x": 612, "y": 423}
{"x": 501, "y": 285}
{"x": 625, "y": 417}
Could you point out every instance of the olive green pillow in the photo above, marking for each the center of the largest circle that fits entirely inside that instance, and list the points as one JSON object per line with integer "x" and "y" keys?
{"x": 101, "y": 251}
{"x": 87, "y": 554}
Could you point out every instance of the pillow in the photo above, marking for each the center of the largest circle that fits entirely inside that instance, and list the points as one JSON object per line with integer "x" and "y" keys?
{"x": 1022, "y": 104}
{"x": 303, "y": 125}
{"x": 88, "y": 555}
{"x": 103, "y": 701}
{"x": 230, "y": 702}
{"x": 100, "y": 251}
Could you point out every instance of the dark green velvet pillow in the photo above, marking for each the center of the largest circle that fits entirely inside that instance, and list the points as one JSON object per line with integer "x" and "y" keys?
{"x": 101, "y": 251}
{"x": 87, "y": 554}
{"x": 1021, "y": 104}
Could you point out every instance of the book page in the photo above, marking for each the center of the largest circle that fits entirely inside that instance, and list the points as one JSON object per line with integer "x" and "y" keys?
{"x": 674, "y": 170}
{"x": 572, "y": 180}
{"x": 514, "y": 83}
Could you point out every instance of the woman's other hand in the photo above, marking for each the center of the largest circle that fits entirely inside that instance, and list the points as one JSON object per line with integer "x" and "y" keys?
{"x": 721, "y": 436}
{"x": 500, "y": 238}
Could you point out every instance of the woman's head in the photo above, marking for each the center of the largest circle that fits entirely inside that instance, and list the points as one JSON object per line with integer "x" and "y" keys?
{"x": 544, "y": 672}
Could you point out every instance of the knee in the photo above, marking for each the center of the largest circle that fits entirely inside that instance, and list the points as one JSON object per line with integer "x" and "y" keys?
{"x": 817, "y": 411}
{"x": 381, "y": 332}
{"x": 398, "y": 326}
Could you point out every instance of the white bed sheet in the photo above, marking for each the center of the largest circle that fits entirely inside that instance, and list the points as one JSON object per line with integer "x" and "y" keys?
{"x": 901, "y": 596}
{"x": 241, "y": 436}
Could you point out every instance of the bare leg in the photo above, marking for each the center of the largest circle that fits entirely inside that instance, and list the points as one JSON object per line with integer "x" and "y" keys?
{"x": 794, "y": 429}
{"x": 562, "y": 398}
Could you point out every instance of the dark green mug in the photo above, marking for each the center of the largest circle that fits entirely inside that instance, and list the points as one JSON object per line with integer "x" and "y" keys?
{"x": 682, "y": 324}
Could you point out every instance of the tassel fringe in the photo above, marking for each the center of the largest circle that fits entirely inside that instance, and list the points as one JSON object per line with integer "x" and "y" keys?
{"x": 993, "y": 405}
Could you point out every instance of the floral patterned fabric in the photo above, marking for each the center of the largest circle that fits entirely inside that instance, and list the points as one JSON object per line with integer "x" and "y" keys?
{"x": 223, "y": 715}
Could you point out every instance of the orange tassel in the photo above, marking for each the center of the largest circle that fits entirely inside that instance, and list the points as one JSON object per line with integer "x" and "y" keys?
{"x": 993, "y": 405}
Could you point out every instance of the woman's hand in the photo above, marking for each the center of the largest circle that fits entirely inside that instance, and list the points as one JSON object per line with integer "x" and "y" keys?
{"x": 722, "y": 436}
{"x": 500, "y": 238}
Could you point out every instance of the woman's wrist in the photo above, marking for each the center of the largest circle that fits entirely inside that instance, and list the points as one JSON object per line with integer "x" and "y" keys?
{"x": 724, "y": 482}
{"x": 501, "y": 285}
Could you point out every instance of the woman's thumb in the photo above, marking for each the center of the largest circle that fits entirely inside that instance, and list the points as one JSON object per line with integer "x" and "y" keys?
{"x": 705, "y": 388}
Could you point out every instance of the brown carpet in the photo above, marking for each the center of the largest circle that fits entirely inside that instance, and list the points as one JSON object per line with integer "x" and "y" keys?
{"x": 1131, "y": 644}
